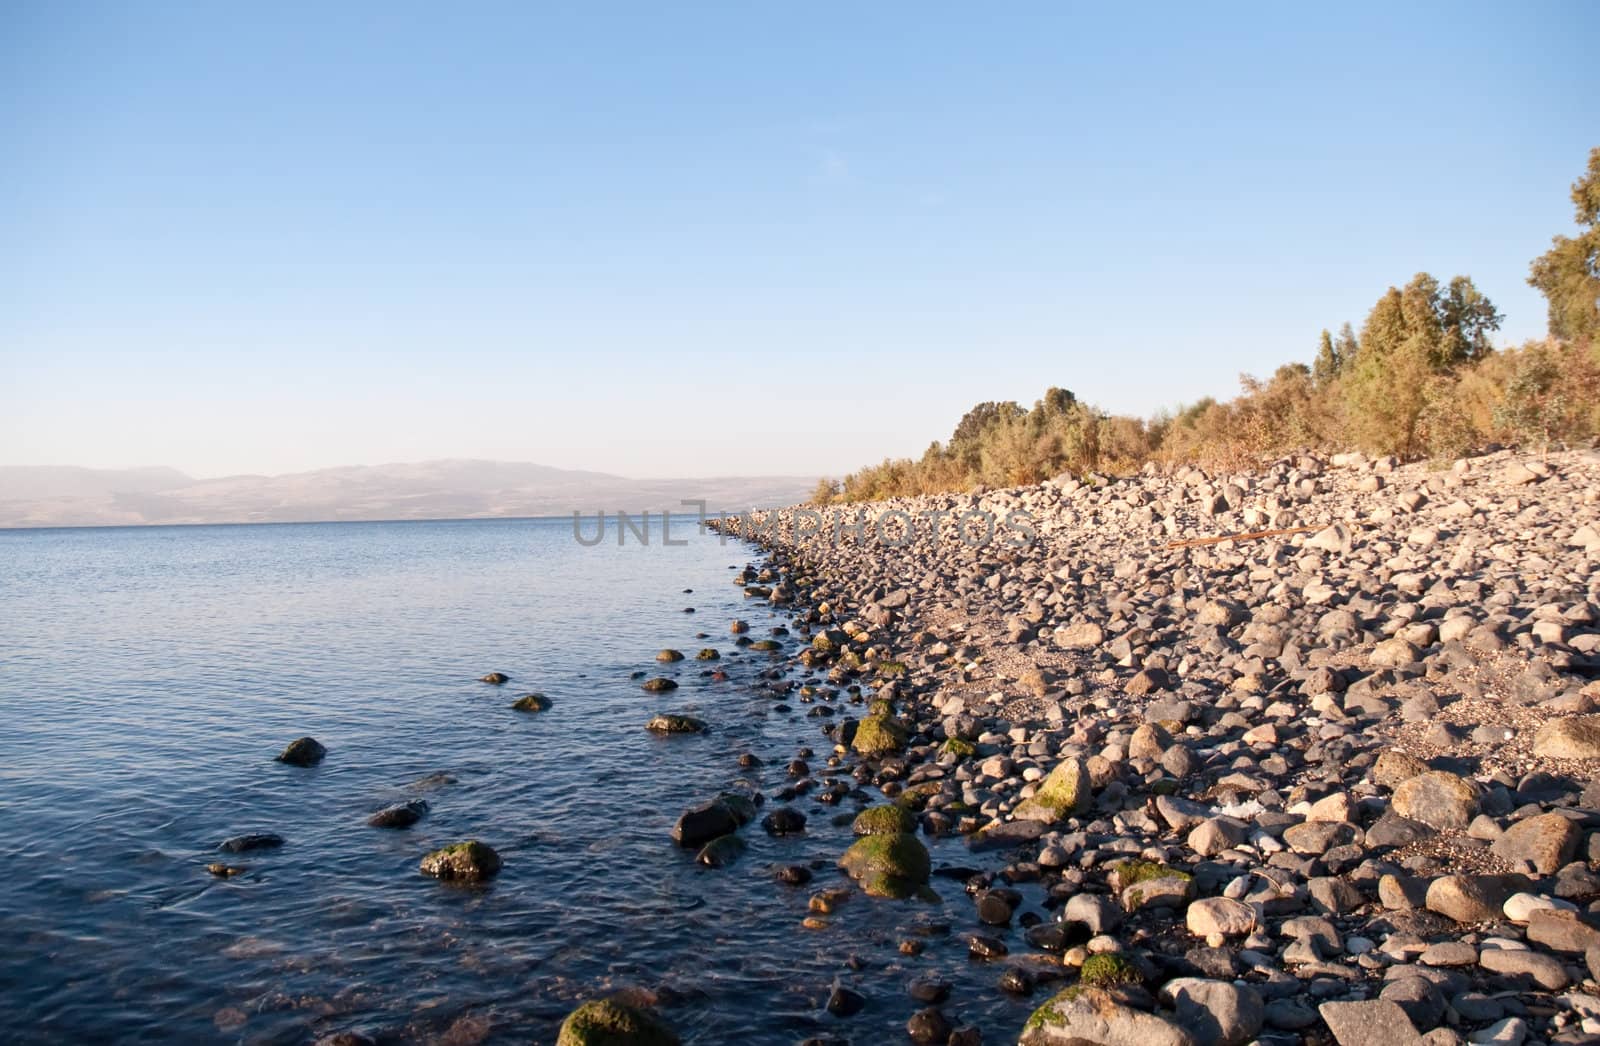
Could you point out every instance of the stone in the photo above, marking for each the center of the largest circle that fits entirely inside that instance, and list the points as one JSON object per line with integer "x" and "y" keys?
{"x": 1374, "y": 1022}
{"x": 1065, "y": 792}
{"x": 785, "y": 820}
{"x": 676, "y": 724}
{"x": 1220, "y": 917}
{"x": 701, "y": 824}
{"x": 531, "y": 703}
{"x": 1472, "y": 898}
{"x": 1562, "y": 931}
{"x": 888, "y": 865}
{"x": 1438, "y": 799}
{"x": 1546, "y": 843}
{"x": 1215, "y": 1011}
{"x": 302, "y": 751}
{"x": 1533, "y": 967}
{"x": 400, "y": 815}
{"x": 1572, "y": 737}
{"x": 1093, "y": 1015}
{"x": 467, "y": 862}
{"x": 611, "y": 1022}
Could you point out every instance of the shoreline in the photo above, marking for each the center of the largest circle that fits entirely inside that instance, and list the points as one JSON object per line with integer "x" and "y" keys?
{"x": 1283, "y": 787}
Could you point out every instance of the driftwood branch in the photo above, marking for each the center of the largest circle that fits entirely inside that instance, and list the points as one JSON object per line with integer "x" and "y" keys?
{"x": 1252, "y": 536}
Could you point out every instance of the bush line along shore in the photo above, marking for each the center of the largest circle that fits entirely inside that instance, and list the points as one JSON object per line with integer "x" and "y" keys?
{"x": 1338, "y": 782}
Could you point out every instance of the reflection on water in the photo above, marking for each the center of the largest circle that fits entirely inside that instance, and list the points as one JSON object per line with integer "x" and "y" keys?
{"x": 148, "y": 676}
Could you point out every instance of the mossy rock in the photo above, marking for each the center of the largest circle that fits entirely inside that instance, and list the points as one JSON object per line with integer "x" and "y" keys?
{"x": 670, "y": 655}
{"x": 708, "y": 654}
{"x": 676, "y": 724}
{"x": 892, "y": 669}
{"x": 1065, "y": 792}
{"x": 888, "y": 865}
{"x": 879, "y": 735}
{"x": 916, "y": 797}
{"x": 959, "y": 748}
{"x": 608, "y": 1022}
{"x": 1107, "y": 970}
{"x": 658, "y": 685}
{"x": 851, "y": 661}
{"x": 884, "y": 820}
{"x": 531, "y": 703}
{"x": 466, "y": 862}
{"x": 879, "y": 706}
{"x": 1138, "y": 870}
{"x": 766, "y": 645}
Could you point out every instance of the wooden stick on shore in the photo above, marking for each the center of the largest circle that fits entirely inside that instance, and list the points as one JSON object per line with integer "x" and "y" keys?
{"x": 1253, "y": 535}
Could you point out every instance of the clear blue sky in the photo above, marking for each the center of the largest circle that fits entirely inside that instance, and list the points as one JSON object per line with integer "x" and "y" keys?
{"x": 710, "y": 239}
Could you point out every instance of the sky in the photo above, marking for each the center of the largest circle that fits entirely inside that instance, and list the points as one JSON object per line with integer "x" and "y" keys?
{"x": 718, "y": 239}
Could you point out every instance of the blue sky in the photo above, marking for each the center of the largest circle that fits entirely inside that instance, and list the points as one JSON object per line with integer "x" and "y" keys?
{"x": 715, "y": 239}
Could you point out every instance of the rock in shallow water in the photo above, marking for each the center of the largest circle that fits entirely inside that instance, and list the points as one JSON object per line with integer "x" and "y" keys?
{"x": 401, "y": 815}
{"x": 303, "y": 751}
{"x": 611, "y": 1022}
{"x": 465, "y": 862}
{"x": 254, "y": 841}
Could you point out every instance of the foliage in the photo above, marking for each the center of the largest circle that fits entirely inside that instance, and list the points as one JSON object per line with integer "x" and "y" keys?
{"x": 1568, "y": 274}
{"x": 1422, "y": 378}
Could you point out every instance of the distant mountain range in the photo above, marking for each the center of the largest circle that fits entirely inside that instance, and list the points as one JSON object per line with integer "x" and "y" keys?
{"x": 44, "y": 496}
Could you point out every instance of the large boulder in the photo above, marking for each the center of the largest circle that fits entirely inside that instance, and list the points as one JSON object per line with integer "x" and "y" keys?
{"x": 1217, "y": 1011}
{"x": 888, "y": 865}
{"x": 610, "y": 1022}
{"x": 701, "y": 824}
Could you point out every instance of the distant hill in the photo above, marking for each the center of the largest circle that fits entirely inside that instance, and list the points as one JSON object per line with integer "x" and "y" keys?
{"x": 45, "y": 496}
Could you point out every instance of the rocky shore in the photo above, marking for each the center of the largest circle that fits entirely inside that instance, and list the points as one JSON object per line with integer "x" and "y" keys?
{"x": 1304, "y": 754}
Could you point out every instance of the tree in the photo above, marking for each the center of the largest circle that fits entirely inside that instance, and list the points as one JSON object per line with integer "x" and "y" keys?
{"x": 826, "y": 491}
{"x": 1326, "y": 366}
{"x": 1568, "y": 274}
{"x": 1411, "y": 337}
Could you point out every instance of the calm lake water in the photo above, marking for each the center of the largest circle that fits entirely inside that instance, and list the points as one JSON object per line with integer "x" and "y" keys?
{"x": 148, "y": 676}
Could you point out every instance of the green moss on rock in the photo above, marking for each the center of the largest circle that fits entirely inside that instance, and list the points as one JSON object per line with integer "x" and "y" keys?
{"x": 1108, "y": 969}
{"x": 608, "y": 1022}
{"x": 879, "y": 735}
{"x": 658, "y": 685}
{"x": 766, "y": 645}
{"x": 892, "y": 669}
{"x": 531, "y": 703}
{"x": 466, "y": 862}
{"x": 1137, "y": 870}
{"x": 708, "y": 654}
{"x": 676, "y": 724}
{"x": 959, "y": 748}
{"x": 884, "y": 820}
{"x": 1065, "y": 792}
{"x": 888, "y": 865}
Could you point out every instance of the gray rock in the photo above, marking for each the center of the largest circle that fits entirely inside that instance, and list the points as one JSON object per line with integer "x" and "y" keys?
{"x": 1216, "y": 1011}
{"x": 1375, "y": 1022}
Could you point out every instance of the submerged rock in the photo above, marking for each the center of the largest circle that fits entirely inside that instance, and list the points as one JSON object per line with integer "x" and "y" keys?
{"x": 670, "y": 655}
{"x": 224, "y": 871}
{"x": 494, "y": 678}
{"x": 658, "y": 685}
{"x": 401, "y": 815}
{"x": 701, "y": 824}
{"x": 466, "y": 862}
{"x": 531, "y": 703}
{"x": 610, "y": 1022}
{"x": 254, "y": 841}
{"x": 676, "y": 724}
{"x": 303, "y": 751}
{"x": 721, "y": 851}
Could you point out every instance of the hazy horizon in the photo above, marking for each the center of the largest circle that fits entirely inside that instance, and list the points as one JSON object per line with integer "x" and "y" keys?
{"x": 723, "y": 241}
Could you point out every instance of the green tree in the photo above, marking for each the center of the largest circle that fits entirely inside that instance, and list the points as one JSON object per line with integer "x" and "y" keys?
{"x": 1411, "y": 337}
{"x": 1568, "y": 274}
{"x": 1325, "y": 369}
